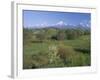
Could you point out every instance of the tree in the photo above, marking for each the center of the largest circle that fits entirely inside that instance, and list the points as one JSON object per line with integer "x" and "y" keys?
{"x": 40, "y": 36}
{"x": 74, "y": 33}
{"x": 61, "y": 35}
{"x": 27, "y": 34}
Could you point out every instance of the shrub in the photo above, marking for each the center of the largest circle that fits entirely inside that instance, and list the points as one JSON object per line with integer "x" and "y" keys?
{"x": 52, "y": 54}
{"x": 27, "y": 62}
{"x": 44, "y": 59}
{"x": 81, "y": 60}
{"x": 65, "y": 52}
{"x": 27, "y": 34}
{"x": 74, "y": 33}
{"x": 71, "y": 34}
{"x": 61, "y": 35}
{"x": 40, "y": 36}
{"x": 39, "y": 60}
{"x": 54, "y": 38}
{"x": 83, "y": 50}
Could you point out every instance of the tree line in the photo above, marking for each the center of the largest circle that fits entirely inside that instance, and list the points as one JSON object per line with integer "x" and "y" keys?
{"x": 54, "y": 34}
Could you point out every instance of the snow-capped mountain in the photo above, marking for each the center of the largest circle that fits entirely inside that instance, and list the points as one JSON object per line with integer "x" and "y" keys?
{"x": 63, "y": 25}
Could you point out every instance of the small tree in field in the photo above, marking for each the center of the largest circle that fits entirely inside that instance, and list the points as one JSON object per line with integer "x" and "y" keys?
{"x": 61, "y": 35}
{"x": 27, "y": 34}
{"x": 74, "y": 33}
{"x": 40, "y": 36}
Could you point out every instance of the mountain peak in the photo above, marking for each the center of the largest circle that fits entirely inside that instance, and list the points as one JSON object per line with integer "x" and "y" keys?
{"x": 61, "y": 23}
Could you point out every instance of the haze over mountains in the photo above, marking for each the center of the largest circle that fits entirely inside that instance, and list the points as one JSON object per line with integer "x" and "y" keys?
{"x": 62, "y": 25}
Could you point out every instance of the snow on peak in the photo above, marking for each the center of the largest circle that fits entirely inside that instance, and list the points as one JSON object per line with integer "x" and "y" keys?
{"x": 61, "y": 23}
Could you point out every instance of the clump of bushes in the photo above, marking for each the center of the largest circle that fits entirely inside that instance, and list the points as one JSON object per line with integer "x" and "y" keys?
{"x": 81, "y": 59}
{"x": 52, "y": 54}
{"x": 47, "y": 59}
{"x": 65, "y": 53}
{"x": 56, "y": 56}
{"x": 83, "y": 50}
{"x": 27, "y": 62}
{"x": 74, "y": 33}
{"x": 40, "y": 61}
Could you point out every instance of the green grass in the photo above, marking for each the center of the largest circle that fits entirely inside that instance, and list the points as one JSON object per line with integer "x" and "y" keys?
{"x": 36, "y": 54}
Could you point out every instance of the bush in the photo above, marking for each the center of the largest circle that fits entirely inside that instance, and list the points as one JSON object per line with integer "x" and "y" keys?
{"x": 61, "y": 35}
{"x": 65, "y": 53}
{"x": 27, "y": 34}
{"x": 83, "y": 50}
{"x": 81, "y": 60}
{"x": 40, "y": 36}
{"x": 70, "y": 34}
{"x": 27, "y": 62}
{"x": 39, "y": 60}
{"x": 73, "y": 33}
{"x": 47, "y": 59}
{"x": 52, "y": 54}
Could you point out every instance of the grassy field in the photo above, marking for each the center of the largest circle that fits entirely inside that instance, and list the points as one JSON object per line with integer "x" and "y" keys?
{"x": 57, "y": 53}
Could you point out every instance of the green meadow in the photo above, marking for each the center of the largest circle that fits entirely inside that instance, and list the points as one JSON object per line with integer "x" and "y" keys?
{"x": 52, "y": 48}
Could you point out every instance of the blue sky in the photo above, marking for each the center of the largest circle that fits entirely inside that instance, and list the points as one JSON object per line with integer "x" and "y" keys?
{"x": 33, "y": 18}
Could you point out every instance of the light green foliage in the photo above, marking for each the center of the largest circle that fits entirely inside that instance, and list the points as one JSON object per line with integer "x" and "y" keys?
{"x": 52, "y": 53}
{"x": 50, "y": 32}
{"x": 43, "y": 49}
